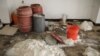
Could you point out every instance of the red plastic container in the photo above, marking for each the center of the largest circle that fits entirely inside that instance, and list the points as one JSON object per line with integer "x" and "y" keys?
{"x": 72, "y": 32}
{"x": 14, "y": 18}
{"x": 24, "y": 11}
{"x": 37, "y": 9}
{"x": 24, "y": 17}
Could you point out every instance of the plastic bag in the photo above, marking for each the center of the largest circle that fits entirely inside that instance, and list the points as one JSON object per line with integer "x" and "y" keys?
{"x": 86, "y": 26}
{"x": 91, "y": 52}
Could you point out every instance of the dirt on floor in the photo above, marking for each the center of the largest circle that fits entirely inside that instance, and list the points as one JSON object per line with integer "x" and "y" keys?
{"x": 7, "y": 42}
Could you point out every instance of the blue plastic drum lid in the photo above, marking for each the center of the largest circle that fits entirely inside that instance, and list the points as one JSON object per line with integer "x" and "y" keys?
{"x": 38, "y": 23}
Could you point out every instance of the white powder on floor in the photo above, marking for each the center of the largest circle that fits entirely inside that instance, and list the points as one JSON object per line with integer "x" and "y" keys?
{"x": 32, "y": 47}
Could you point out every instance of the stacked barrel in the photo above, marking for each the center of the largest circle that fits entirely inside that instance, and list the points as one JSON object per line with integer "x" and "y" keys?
{"x": 37, "y": 9}
{"x": 24, "y": 17}
{"x": 38, "y": 20}
{"x": 26, "y": 21}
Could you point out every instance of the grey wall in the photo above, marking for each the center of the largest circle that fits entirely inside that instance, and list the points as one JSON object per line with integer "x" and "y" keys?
{"x": 95, "y": 10}
{"x": 98, "y": 17}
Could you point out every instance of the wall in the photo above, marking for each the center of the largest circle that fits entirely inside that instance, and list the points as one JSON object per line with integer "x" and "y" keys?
{"x": 4, "y": 13}
{"x": 74, "y": 9}
{"x": 98, "y": 17}
{"x": 95, "y": 10}
{"x": 79, "y": 9}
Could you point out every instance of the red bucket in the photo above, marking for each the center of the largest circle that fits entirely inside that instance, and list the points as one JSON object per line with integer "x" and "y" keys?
{"x": 72, "y": 32}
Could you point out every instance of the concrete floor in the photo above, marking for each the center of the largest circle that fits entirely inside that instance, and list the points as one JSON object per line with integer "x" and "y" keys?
{"x": 7, "y": 42}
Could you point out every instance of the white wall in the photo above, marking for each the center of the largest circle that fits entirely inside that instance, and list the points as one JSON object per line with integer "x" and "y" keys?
{"x": 79, "y": 9}
{"x": 4, "y": 12}
{"x": 74, "y": 9}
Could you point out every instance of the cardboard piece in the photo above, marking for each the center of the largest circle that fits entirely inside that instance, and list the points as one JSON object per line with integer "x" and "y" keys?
{"x": 8, "y": 30}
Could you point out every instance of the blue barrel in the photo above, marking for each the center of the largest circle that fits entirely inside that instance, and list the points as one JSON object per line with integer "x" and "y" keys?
{"x": 38, "y": 23}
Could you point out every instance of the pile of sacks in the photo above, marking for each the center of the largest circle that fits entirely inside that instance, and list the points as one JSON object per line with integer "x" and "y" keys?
{"x": 32, "y": 47}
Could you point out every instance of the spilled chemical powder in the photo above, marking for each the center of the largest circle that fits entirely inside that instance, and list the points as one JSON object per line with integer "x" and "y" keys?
{"x": 32, "y": 47}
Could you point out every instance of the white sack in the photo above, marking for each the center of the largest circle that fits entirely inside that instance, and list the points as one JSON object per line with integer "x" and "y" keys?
{"x": 32, "y": 47}
{"x": 86, "y": 26}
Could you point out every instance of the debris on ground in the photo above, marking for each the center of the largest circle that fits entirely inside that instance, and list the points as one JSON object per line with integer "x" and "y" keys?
{"x": 75, "y": 51}
{"x": 50, "y": 40}
{"x": 31, "y": 47}
{"x": 91, "y": 52}
{"x": 89, "y": 42}
{"x": 68, "y": 36}
{"x": 69, "y": 42}
{"x": 86, "y": 26}
{"x": 57, "y": 37}
{"x": 52, "y": 25}
{"x": 8, "y": 30}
